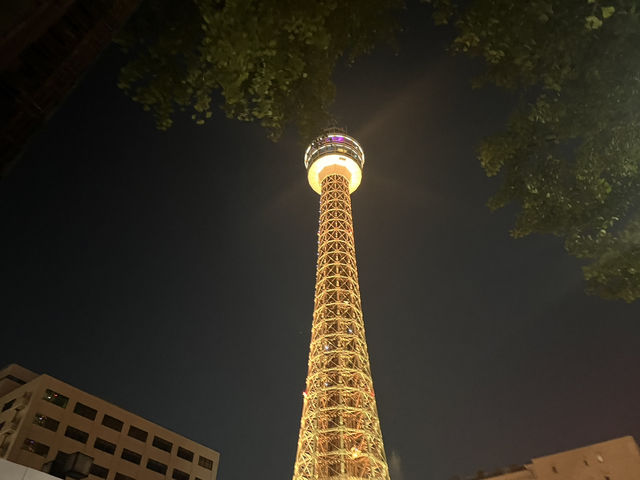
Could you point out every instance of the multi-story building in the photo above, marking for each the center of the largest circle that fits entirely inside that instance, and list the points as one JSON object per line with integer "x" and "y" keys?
{"x": 617, "y": 459}
{"x": 42, "y": 417}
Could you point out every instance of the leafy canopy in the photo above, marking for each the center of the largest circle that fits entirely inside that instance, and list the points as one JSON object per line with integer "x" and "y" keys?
{"x": 270, "y": 60}
{"x": 570, "y": 154}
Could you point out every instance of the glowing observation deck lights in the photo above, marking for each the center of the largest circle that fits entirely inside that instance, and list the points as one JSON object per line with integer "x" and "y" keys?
{"x": 334, "y": 152}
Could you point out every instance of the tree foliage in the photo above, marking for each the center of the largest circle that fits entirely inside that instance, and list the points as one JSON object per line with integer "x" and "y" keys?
{"x": 569, "y": 157}
{"x": 265, "y": 60}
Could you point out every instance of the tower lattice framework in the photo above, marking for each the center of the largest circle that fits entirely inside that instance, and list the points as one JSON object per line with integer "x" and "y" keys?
{"x": 340, "y": 436}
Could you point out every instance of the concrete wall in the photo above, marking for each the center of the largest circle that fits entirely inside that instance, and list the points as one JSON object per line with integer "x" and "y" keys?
{"x": 617, "y": 459}
{"x": 12, "y": 376}
{"x": 13, "y": 471}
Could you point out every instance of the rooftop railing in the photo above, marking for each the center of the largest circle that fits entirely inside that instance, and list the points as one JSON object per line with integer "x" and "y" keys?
{"x": 334, "y": 144}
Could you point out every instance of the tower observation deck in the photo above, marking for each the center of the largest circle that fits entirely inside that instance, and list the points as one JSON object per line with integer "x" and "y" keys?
{"x": 340, "y": 436}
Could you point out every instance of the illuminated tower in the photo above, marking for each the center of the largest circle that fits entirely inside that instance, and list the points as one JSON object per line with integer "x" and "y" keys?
{"x": 340, "y": 437}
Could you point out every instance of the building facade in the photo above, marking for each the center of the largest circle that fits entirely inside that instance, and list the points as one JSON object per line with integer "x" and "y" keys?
{"x": 40, "y": 417}
{"x": 617, "y": 459}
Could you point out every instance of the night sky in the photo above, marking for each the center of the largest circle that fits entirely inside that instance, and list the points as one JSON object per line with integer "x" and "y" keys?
{"x": 172, "y": 273}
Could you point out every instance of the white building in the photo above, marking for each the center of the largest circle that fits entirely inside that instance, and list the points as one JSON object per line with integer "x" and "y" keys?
{"x": 13, "y": 471}
{"x": 617, "y": 459}
{"x": 41, "y": 417}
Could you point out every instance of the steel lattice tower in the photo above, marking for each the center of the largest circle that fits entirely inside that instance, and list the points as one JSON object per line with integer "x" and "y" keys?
{"x": 340, "y": 437}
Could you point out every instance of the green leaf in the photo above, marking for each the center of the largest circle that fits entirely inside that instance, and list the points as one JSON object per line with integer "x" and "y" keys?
{"x": 608, "y": 11}
{"x": 592, "y": 22}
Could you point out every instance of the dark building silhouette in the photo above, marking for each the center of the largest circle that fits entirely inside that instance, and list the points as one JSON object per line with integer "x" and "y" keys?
{"x": 45, "y": 48}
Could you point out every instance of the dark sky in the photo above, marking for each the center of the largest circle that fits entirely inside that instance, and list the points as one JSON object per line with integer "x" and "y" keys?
{"x": 172, "y": 274}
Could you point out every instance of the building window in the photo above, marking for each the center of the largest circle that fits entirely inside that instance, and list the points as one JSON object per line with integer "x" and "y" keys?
{"x": 8, "y": 405}
{"x": 130, "y": 456}
{"x": 179, "y": 475}
{"x": 98, "y": 471}
{"x": 56, "y": 398}
{"x": 35, "y": 447}
{"x": 46, "y": 422}
{"x": 205, "y": 462}
{"x": 114, "y": 423}
{"x": 105, "y": 446}
{"x": 138, "y": 433}
{"x": 555, "y": 470}
{"x": 186, "y": 454}
{"x": 162, "y": 444}
{"x": 156, "y": 466}
{"x": 122, "y": 476}
{"x": 84, "y": 411}
{"x": 76, "y": 434}
{"x": 586, "y": 463}
{"x": 14, "y": 379}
